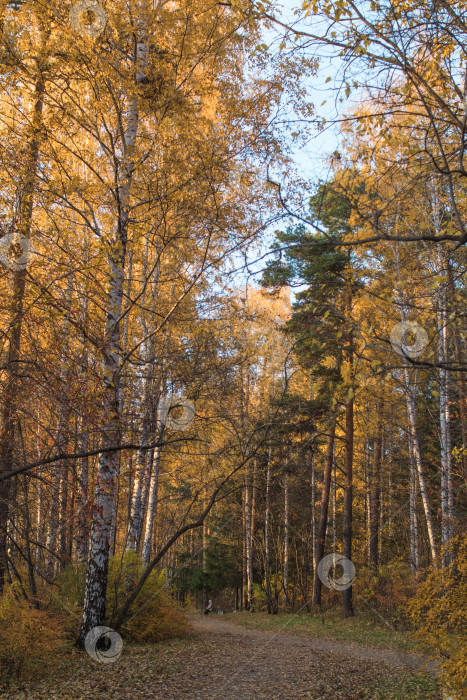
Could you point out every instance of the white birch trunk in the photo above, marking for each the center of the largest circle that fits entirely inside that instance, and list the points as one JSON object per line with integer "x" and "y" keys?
{"x": 414, "y": 556}
{"x": 82, "y": 535}
{"x": 104, "y": 514}
{"x": 143, "y": 465}
{"x": 58, "y": 515}
{"x": 39, "y": 518}
{"x": 81, "y": 539}
{"x": 447, "y": 500}
{"x": 381, "y": 502}
{"x": 144, "y": 458}
{"x": 367, "y": 497}
{"x": 411, "y": 411}
{"x": 152, "y": 505}
{"x": 418, "y": 461}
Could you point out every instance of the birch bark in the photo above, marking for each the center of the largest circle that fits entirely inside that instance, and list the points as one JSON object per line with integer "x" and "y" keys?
{"x": 410, "y": 389}
{"x": 414, "y": 556}
{"x": 152, "y": 504}
{"x": 104, "y": 512}
{"x": 447, "y": 499}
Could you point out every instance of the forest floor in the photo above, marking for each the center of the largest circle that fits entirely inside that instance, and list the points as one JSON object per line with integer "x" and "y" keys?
{"x": 222, "y": 660}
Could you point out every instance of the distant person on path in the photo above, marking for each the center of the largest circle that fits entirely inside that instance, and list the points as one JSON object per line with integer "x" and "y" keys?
{"x": 208, "y": 608}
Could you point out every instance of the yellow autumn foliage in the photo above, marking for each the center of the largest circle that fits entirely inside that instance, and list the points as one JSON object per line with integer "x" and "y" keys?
{"x": 439, "y": 612}
{"x": 155, "y": 616}
{"x": 28, "y": 637}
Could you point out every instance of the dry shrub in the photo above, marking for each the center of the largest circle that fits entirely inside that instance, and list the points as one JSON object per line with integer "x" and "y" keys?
{"x": 67, "y": 600}
{"x": 387, "y": 590}
{"x": 439, "y": 612}
{"x": 161, "y": 619}
{"x": 28, "y": 637}
{"x": 154, "y": 616}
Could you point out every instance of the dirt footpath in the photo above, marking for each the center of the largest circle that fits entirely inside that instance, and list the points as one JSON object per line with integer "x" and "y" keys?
{"x": 250, "y": 663}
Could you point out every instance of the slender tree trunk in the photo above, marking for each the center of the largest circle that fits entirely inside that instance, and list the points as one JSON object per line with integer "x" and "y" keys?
{"x": 460, "y": 376}
{"x": 414, "y": 557}
{"x": 82, "y": 534}
{"x": 144, "y": 461}
{"x": 27, "y": 540}
{"x": 39, "y": 519}
{"x": 141, "y": 478}
{"x": 411, "y": 411}
{"x": 248, "y": 542}
{"x": 253, "y": 521}
{"x": 389, "y": 498}
{"x": 381, "y": 502}
{"x": 447, "y": 500}
{"x": 65, "y": 514}
{"x": 313, "y": 506}
{"x": 244, "y": 552}
{"x": 59, "y": 488}
{"x": 347, "y": 607}
{"x": 57, "y": 533}
{"x": 334, "y": 501}
{"x": 367, "y": 497}
{"x": 286, "y": 540}
{"x": 418, "y": 461}
{"x": 109, "y": 462}
{"x": 81, "y": 539}
{"x": 267, "y": 515}
{"x": 204, "y": 559}
{"x": 323, "y": 515}
{"x": 152, "y": 505}
{"x": 14, "y": 317}
{"x": 375, "y": 491}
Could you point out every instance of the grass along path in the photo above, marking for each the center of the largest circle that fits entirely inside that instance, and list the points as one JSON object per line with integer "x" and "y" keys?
{"x": 360, "y": 629}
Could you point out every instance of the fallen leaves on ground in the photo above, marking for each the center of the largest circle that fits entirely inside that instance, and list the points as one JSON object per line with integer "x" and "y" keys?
{"x": 221, "y": 662}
